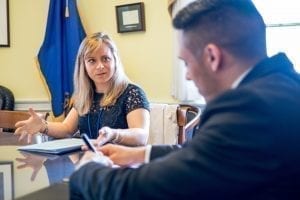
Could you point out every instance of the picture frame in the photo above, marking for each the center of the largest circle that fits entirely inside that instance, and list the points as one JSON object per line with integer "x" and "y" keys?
{"x": 4, "y": 23}
{"x": 130, "y": 17}
{"x": 6, "y": 180}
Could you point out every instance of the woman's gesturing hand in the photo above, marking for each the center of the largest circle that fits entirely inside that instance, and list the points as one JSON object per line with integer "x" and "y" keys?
{"x": 29, "y": 127}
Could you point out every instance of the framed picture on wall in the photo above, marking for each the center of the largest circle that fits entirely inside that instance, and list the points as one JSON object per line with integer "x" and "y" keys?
{"x": 6, "y": 180}
{"x": 4, "y": 23}
{"x": 130, "y": 17}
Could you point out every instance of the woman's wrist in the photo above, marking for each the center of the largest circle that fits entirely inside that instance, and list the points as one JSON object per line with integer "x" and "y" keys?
{"x": 117, "y": 139}
{"x": 45, "y": 128}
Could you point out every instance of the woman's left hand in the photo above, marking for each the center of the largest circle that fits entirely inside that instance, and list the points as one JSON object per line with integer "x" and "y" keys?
{"x": 106, "y": 135}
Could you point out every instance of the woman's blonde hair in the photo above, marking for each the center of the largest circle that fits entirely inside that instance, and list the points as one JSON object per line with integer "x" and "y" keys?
{"x": 84, "y": 87}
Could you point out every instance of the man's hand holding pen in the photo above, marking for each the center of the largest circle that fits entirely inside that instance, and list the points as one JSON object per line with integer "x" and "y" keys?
{"x": 90, "y": 156}
{"x": 93, "y": 155}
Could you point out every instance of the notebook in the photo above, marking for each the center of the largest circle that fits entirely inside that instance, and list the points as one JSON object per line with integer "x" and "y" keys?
{"x": 57, "y": 147}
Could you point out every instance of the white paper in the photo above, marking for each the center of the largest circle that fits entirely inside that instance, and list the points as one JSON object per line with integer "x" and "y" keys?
{"x": 130, "y": 17}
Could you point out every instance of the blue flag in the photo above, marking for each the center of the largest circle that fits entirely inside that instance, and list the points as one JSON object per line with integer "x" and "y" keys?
{"x": 64, "y": 33}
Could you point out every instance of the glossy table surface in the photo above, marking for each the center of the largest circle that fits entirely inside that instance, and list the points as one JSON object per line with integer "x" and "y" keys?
{"x": 32, "y": 172}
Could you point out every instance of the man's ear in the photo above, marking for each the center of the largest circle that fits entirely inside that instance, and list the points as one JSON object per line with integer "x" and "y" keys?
{"x": 213, "y": 56}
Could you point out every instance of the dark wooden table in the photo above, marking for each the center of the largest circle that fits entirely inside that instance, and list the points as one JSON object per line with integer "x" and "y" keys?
{"x": 33, "y": 176}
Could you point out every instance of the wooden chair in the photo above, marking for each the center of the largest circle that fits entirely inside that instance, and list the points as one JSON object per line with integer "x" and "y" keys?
{"x": 188, "y": 117}
{"x": 172, "y": 123}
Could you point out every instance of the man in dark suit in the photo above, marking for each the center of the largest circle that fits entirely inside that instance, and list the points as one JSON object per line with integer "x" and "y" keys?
{"x": 248, "y": 142}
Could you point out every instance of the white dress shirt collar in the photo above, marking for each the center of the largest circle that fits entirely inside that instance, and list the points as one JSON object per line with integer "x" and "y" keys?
{"x": 240, "y": 78}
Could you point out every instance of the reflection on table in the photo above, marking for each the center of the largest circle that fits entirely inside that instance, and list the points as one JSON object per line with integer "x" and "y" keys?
{"x": 32, "y": 172}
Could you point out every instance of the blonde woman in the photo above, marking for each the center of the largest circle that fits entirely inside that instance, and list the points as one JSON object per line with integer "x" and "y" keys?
{"x": 107, "y": 106}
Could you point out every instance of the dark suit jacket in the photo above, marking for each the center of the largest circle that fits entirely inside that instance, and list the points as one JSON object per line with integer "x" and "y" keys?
{"x": 247, "y": 147}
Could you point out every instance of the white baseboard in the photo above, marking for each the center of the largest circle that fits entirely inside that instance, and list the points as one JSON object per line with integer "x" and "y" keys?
{"x": 36, "y": 105}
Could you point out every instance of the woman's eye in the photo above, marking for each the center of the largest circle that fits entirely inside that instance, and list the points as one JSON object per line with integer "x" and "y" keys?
{"x": 91, "y": 60}
{"x": 106, "y": 59}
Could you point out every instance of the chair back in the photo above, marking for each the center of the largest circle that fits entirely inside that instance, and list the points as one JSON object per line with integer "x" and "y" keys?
{"x": 188, "y": 117}
{"x": 7, "y": 101}
{"x": 170, "y": 123}
{"x": 9, "y": 118}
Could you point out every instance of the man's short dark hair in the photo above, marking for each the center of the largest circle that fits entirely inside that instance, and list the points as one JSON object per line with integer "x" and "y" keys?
{"x": 235, "y": 25}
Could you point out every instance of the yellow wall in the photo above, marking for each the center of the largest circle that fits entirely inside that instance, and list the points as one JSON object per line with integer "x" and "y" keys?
{"x": 147, "y": 56}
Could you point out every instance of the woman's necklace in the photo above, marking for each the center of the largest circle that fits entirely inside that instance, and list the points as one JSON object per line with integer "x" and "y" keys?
{"x": 97, "y": 125}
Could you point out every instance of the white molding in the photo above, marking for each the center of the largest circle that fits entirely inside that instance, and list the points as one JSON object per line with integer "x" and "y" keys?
{"x": 36, "y": 105}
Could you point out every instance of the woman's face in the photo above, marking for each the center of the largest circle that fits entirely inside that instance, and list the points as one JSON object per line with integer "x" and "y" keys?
{"x": 100, "y": 66}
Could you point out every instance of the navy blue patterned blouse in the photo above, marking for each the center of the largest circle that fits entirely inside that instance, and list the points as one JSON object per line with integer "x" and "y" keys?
{"x": 113, "y": 116}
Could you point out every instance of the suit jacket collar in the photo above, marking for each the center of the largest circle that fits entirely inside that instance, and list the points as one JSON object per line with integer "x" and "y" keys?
{"x": 278, "y": 63}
